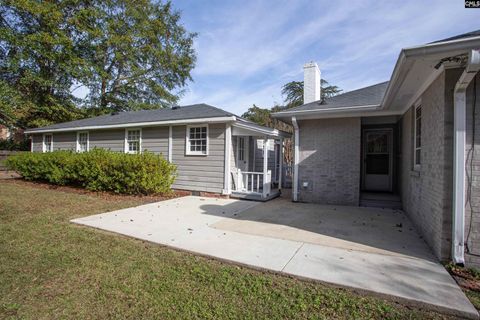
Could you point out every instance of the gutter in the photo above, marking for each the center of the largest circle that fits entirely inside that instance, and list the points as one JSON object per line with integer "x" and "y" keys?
{"x": 295, "y": 158}
{"x": 241, "y": 123}
{"x": 135, "y": 124}
{"x": 372, "y": 107}
{"x": 397, "y": 79}
{"x": 460, "y": 106}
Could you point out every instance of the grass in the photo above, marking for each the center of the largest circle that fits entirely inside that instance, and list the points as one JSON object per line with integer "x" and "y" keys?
{"x": 50, "y": 268}
{"x": 465, "y": 278}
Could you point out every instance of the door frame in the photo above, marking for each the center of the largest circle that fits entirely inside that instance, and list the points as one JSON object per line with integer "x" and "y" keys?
{"x": 246, "y": 153}
{"x": 391, "y": 158}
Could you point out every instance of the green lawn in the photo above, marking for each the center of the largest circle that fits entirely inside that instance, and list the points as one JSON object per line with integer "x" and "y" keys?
{"x": 50, "y": 268}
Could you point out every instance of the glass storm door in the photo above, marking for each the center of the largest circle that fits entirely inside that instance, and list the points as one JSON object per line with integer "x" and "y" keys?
{"x": 377, "y": 153}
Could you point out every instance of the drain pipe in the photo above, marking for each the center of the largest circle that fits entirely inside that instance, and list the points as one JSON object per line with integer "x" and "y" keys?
{"x": 295, "y": 158}
{"x": 460, "y": 106}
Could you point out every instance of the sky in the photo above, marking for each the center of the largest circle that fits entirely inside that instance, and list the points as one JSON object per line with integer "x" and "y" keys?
{"x": 246, "y": 50}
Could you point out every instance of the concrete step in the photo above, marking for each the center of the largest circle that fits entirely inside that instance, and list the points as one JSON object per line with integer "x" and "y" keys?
{"x": 381, "y": 204}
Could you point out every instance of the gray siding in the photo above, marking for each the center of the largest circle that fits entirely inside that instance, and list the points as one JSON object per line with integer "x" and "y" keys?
{"x": 196, "y": 173}
{"x": 155, "y": 139}
{"x": 61, "y": 141}
{"x": 329, "y": 160}
{"x": 64, "y": 141}
{"x": 113, "y": 140}
{"x": 200, "y": 173}
{"x": 258, "y": 148}
{"x": 427, "y": 193}
{"x": 37, "y": 142}
{"x": 472, "y": 217}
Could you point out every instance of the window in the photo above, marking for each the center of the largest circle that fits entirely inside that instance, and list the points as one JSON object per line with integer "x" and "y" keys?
{"x": 82, "y": 142}
{"x": 47, "y": 143}
{"x": 418, "y": 137}
{"x": 197, "y": 140}
{"x": 133, "y": 140}
{"x": 241, "y": 148}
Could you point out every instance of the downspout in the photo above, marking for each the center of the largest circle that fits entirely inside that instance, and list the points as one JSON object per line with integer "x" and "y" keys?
{"x": 295, "y": 158}
{"x": 460, "y": 106}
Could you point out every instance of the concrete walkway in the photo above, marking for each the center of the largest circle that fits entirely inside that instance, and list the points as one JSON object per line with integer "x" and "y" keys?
{"x": 370, "y": 249}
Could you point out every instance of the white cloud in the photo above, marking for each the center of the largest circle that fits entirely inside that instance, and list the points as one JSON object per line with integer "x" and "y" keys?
{"x": 247, "y": 51}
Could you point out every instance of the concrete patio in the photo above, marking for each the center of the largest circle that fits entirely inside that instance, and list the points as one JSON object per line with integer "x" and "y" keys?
{"x": 371, "y": 249}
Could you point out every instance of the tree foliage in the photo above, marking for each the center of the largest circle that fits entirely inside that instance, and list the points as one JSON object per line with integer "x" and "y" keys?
{"x": 37, "y": 60}
{"x": 130, "y": 54}
{"x": 293, "y": 92}
{"x": 293, "y": 97}
{"x": 138, "y": 53}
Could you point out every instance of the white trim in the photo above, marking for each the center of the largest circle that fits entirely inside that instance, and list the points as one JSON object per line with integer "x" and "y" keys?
{"x": 435, "y": 74}
{"x": 423, "y": 50}
{"x": 188, "y": 152}
{"x": 265, "y": 166}
{"x": 126, "y": 140}
{"x": 370, "y": 107}
{"x": 364, "y": 142}
{"x": 280, "y": 164}
{"x": 416, "y": 167}
{"x": 456, "y": 43}
{"x": 31, "y": 143}
{"x": 44, "y": 147}
{"x": 295, "y": 158}
{"x": 78, "y": 141}
{"x": 170, "y": 142}
{"x": 459, "y": 120}
{"x": 227, "y": 185}
{"x": 243, "y": 124}
{"x": 245, "y": 150}
{"x": 138, "y": 124}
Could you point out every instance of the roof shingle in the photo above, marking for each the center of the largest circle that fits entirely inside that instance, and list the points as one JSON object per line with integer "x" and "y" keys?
{"x": 367, "y": 96}
{"x": 195, "y": 111}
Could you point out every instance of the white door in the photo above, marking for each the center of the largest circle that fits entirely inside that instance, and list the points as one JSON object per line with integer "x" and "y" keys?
{"x": 378, "y": 159}
{"x": 242, "y": 153}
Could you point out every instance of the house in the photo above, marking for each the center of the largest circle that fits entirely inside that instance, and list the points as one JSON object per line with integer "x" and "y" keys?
{"x": 214, "y": 150}
{"x": 4, "y": 132}
{"x": 412, "y": 142}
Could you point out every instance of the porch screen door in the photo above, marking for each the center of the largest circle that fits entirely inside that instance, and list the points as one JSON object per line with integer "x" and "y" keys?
{"x": 242, "y": 153}
{"x": 378, "y": 149}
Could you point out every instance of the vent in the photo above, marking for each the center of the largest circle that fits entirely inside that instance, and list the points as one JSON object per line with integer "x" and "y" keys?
{"x": 175, "y": 107}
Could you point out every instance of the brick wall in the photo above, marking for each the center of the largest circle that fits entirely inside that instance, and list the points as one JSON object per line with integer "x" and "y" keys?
{"x": 329, "y": 160}
{"x": 427, "y": 192}
{"x": 472, "y": 217}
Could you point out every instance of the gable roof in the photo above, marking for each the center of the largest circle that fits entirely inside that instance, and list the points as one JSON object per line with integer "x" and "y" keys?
{"x": 367, "y": 96}
{"x": 196, "y": 113}
{"x": 144, "y": 117}
{"x": 415, "y": 68}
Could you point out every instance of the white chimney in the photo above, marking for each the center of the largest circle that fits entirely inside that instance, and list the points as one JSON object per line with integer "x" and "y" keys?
{"x": 311, "y": 82}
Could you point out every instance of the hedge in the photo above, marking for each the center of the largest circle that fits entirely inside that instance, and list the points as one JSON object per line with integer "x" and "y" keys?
{"x": 98, "y": 170}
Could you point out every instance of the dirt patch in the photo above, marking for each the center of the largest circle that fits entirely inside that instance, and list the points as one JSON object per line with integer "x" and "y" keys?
{"x": 102, "y": 195}
{"x": 469, "y": 281}
{"x": 4, "y": 175}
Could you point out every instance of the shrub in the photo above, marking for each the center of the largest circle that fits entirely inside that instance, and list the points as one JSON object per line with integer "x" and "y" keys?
{"x": 13, "y": 145}
{"x": 98, "y": 170}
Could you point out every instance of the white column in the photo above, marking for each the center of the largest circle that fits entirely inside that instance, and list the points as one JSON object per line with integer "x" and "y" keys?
{"x": 296, "y": 137}
{"x": 170, "y": 140}
{"x": 265, "y": 166}
{"x": 280, "y": 165}
{"x": 227, "y": 185}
